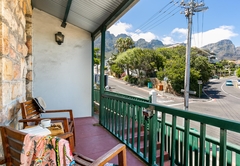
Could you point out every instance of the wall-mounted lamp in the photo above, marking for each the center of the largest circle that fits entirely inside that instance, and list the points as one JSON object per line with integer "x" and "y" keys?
{"x": 59, "y": 38}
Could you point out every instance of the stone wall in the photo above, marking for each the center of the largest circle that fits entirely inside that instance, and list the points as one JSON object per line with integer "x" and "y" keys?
{"x": 15, "y": 57}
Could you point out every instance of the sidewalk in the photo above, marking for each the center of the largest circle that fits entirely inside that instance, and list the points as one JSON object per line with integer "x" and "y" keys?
{"x": 171, "y": 96}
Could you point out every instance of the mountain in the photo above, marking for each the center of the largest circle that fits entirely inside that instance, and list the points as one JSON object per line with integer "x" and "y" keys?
{"x": 111, "y": 40}
{"x": 224, "y": 49}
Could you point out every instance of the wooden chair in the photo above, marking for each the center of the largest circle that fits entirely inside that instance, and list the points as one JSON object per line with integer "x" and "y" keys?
{"x": 31, "y": 111}
{"x": 12, "y": 142}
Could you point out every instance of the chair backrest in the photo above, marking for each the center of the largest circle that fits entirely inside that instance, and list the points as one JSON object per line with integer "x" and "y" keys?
{"x": 12, "y": 142}
{"x": 30, "y": 109}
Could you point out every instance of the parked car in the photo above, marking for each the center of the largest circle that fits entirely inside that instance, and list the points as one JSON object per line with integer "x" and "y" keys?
{"x": 229, "y": 83}
{"x": 215, "y": 77}
{"x": 238, "y": 82}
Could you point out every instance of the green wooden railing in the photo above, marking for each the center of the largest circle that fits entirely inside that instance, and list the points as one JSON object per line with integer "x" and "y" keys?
{"x": 97, "y": 96}
{"x": 123, "y": 117}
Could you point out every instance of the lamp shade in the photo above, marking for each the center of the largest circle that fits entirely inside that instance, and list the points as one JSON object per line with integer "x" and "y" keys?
{"x": 59, "y": 38}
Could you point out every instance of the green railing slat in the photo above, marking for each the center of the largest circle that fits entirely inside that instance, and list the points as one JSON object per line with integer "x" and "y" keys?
{"x": 115, "y": 116}
{"x": 109, "y": 114}
{"x": 207, "y": 153}
{"x": 128, "y": 123}
{"x": 186, "y": 141}
{"x": 173, "y": 148}
{"x": 223, "y": 147}
{"x": 229, "y": 158}
{"x": 133, "y": 125}
{"x": 195, "y": 148}
{"x": 163, "y": 131}
{"x": 139, "y": 117}
{"x": 119, "y": 118}
{"x": 237, "y": 159}
{"x": 177, "y": 147}
{"x": 202, "y": 143}
{"x": 123, "y": 120}
{"x": 181, "y": 148}
{"x": 111, "y": 109}
{"x": 214, "y": 155}
{"x": 190, "y": 151}
{"x": 145, "y": 139}
{"x": 152, "y": 139}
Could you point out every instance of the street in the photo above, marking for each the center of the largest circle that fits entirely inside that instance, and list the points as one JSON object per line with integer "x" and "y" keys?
{"x": 221, "y": 101}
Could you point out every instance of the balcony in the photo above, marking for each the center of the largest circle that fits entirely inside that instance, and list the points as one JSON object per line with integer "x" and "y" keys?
{"x": 150, "y": 130}
{"x": 93, "y": 141}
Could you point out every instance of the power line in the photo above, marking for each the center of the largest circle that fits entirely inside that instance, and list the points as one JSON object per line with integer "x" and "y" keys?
{"x": 152, "y": 17}
{"x": 160, "y": 16}
{"x": 158, "y": 23}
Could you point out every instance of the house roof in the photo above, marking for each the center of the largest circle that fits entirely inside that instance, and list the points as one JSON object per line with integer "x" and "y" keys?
{"x": 90, "y": 15}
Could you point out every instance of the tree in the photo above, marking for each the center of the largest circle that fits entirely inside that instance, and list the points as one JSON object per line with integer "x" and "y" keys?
{"x": 201, "y": 64}
{"x": 123, "y": 45}
{"x": 238, "y": 72}
{"x": 96, "y": 57}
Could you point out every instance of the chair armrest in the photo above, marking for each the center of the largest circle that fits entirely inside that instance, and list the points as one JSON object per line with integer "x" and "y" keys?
{"x": 119, "y": 150}
{"x": 2, "y": 160}
{"x": 39, "y": 119}
{"x": 62, "y": 110}
{"x": 52, "y": 111}
{"x": 65, "y": 135}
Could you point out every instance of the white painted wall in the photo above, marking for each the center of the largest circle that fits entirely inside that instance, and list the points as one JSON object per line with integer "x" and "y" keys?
{"x": 61, "y": 73}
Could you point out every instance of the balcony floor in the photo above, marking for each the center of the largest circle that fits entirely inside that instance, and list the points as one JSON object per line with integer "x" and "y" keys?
{"x": 92, "y": 140}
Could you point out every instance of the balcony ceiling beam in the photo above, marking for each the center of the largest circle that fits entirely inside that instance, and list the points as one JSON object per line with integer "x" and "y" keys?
{"x": 69, "y": 3}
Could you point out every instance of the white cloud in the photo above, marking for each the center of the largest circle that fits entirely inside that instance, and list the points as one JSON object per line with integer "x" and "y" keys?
{"x": 213, "y": 36}
{"x": 180, "y": 31}
{"x": 124, "y": 28}
{"x": 120, "y": 28}
{"x": 178, "y": 35}
{"x": 148, "y": 36}
{"x": 168, "y": 40}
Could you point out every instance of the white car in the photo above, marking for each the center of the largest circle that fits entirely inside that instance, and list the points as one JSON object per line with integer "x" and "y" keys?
{"x": 238, "y": 82}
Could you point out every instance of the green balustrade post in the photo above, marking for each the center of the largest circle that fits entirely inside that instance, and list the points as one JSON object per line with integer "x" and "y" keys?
{"x": 186, "y": 141}
{"x": 153, "y": 140}
{"x": 223, "y": 147}
{"x": 103, "y": 31}
{"x": 163, "y": 132}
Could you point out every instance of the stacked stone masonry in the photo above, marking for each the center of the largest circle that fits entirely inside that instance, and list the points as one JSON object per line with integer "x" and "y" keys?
{"x": 15, "y": 58}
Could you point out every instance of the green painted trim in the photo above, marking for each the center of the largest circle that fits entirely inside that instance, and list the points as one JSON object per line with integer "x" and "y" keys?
{"x": 69, "y": 3}
{"x": 92, "y": 77}
{"x": 103, "y": 33}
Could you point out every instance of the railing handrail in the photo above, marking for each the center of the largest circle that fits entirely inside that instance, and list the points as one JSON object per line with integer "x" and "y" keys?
{"x": 126, "y": 96}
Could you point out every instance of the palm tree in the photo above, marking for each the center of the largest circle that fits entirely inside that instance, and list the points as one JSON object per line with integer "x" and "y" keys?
{"x": 123, "y": 44}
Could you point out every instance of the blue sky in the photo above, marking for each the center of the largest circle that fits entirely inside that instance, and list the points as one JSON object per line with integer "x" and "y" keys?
{"x": 161, "y": 19}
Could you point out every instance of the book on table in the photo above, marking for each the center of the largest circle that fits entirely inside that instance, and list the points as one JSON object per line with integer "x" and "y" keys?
{"x": 37, "y": 130}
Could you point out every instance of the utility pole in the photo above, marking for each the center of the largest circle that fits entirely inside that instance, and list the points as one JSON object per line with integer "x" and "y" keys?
{"x": 189, "y": 9}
